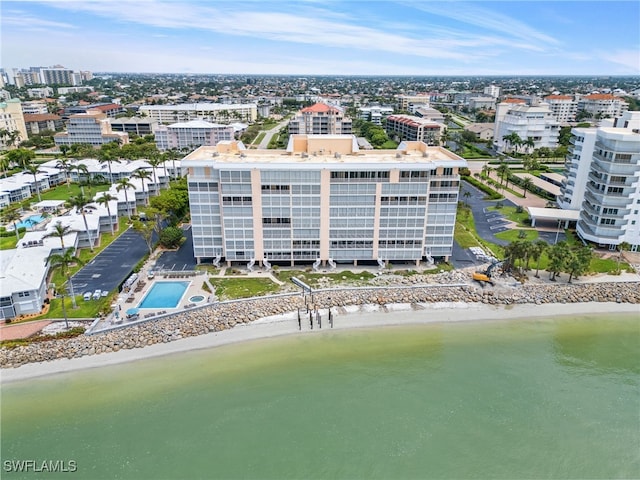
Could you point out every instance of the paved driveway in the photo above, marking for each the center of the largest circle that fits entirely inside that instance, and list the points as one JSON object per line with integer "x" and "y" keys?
{"x": 181, "y": 259}
{"x": 113, "y": 265}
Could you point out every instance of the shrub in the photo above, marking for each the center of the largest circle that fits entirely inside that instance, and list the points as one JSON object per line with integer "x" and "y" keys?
{"x": 171, "y": 237}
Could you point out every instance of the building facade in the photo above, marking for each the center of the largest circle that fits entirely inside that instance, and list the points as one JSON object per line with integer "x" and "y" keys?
{"x": 40, "y": 122}
{"x": 12, "y": 121}
{"x": 411, "y": 128}
{"x": 320, "y": 119}
{"x": 602, "y": 105}
{"x": 192, "y": 134}
{"x": 563, "y": 107}
{"x": 139, "y": 126}
{"x": 604, "y": 165}
{"x": 528, "y": 121}
{"x": 209, "y": 112}
{"x": 92, "y": 128}
{"x": 375, "y": 113}
{"x": 322, "y": 200}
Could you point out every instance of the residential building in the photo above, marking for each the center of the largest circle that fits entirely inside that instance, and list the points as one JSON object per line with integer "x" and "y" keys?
{"x": 68, "y": 90}
{"x": 34, "y": 108}
{"x": 411, "y": 128}
{"x": 482, "y": 103}
{"x": 563, "y": 107}
{"x": 40, "y": 122}
{"x": 92, "y": 127}
{"x": 428, "y": 113}
{"x": 602, "y": 105}
{"x": 58, "y": 75}
{"x": 603, "y": 181}
{"x": 528, "y": 121}
{"x": 192, "y": 134}
{"x": 322, "y": 200}
{"x": 111, "y": 110}
{"x": 483, "y": 131}
{"x": 492, "y": 91}
{"x": 375, "y": 113}
{"x": 42, "y": 92}
{"x": 139, "y": 125}
{"x": 209, "y": 112}
{"x": 12, "y": 120}
{"x": 405, "y": 101}
{"x": 320, "y": 119}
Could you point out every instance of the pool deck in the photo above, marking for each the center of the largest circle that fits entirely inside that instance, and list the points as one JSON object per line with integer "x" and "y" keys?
{"x": 132, "y": 298}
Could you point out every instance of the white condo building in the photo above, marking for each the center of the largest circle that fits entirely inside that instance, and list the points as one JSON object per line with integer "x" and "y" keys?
{"x": 92, "y": 128}
{"x": 535, "y": 121}
{"x": 322, "y": 200}
{"x": 192, "y": 134}
{"x": 209, "y": 112}
{"x": 603, "y": 181}
{"x": 602, "y": 105}
{"x": 563, "y": 107}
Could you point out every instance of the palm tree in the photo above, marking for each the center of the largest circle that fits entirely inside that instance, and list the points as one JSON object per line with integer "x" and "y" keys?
{"x": 125, "y": 184}
{"x": 527, "y": 185}
{"x": 537, "y": 250}
{"x": 65, "y": 165}
{"x": 529, "y": 143}
{"x": 63, "y": 263}
{"x": 4, "y": 165}
{"x": 80, "y": 202}
{"x": 142, "y": 175}
{"x": 59, "y": 231}
{"x": 486, "y": 170}
{"x": 34, "y": 170}
{"x": 503, "y": 170}
{"x": 466, "y": 195}
{"x": 104, "y": 200}
{"x": 155, "y": 162}
{"x": 11, "y": 215}
{"x": 108, "y": 154}
{"x": 82, "y": 169}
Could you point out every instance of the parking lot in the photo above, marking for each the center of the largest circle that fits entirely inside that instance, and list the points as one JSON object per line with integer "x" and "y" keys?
{"x": 181, "y": 259}
{"x": 112, "y": 266}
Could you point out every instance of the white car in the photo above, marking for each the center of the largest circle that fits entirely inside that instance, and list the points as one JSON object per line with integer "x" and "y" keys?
{"x": 87, "y": 296}
{"x": 97, "y": 294}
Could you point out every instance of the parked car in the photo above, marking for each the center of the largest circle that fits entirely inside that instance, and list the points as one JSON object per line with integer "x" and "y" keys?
{"x": 97, "y": 294}
{"x": 86, "y": 296}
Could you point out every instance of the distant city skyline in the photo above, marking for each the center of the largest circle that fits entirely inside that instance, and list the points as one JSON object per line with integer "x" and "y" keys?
{"x": 310, "y": 37}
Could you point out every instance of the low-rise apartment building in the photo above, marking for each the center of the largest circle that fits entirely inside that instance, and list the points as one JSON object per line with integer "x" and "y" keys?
{"x": 209, "y": 112}
{"x": 92, "y": 128}
{"x": 192, "y": 134}
{"x": 416, "y": 129}
{"x": 528, "y": 121}
{"x": 602, "y": 105}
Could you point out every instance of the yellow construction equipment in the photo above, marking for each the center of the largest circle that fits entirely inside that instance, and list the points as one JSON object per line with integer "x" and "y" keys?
{"x": 485, "y": 277}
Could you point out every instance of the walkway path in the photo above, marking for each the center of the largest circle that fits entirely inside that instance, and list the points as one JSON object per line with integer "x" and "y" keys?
{"x": 270, "y": 133}
{"x": 21, "y": 330}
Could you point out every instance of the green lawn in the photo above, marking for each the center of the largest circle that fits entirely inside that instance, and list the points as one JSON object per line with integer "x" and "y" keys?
{"x": 259, "y": 138}
{"x": 88, "y": 309}
{"x": 313, "y": 279}
{"x": 511, "y": 214}
{"x": 514, "y": 235}
{"x": 465, "y": 229}
{"x": 231, "y": 288}
{"x": 7, "y": 243}
{"x": 61, "y": 192}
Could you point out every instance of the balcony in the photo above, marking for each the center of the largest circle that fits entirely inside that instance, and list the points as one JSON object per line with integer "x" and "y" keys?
{"x": 596, "y": 234}
{"x": 605, "y": 200}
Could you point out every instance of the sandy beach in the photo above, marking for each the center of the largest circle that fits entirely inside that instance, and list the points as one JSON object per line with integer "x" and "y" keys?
{"x": 355, "y": 317}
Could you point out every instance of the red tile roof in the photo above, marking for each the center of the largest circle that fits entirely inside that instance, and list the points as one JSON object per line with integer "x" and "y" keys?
{"x": 601, "y": 96}
{"x": 320, "y": 108}
{"x": 558, "y": 97}
{"x": 513, "y": 100}
{"x": 40, "y": 117}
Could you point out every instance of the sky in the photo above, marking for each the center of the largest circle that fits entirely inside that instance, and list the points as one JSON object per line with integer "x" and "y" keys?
{"x": 325, "y": 37}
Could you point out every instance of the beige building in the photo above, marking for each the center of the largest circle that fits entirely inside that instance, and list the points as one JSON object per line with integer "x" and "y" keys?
{"x": 320, "y": 119}
{"x": 563, "y": 107}
{"x": 483, "y": 131}
{"x": 12, "y": 122}
{"x": 411, "y": 128}
{"x": 405, "y": 101}
{"x": 322, "y": 201}
{"x": 602, "y": 105}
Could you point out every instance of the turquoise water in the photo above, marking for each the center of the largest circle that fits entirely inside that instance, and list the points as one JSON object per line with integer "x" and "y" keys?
{"x": 30, "y": 221}
{"x": 164, "y": 295}
{"x": 511, "y": 400}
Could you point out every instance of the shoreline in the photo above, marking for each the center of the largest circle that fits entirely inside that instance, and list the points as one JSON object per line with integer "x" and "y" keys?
{"x": 362, "y": 316}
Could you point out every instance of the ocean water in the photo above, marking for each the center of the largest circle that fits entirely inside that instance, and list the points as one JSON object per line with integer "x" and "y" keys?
{"x": 541, "y": 398}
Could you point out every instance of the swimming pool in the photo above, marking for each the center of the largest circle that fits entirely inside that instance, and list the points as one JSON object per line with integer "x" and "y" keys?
{"x": 30, "y": 221}
{"x": 164, "y": 295}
